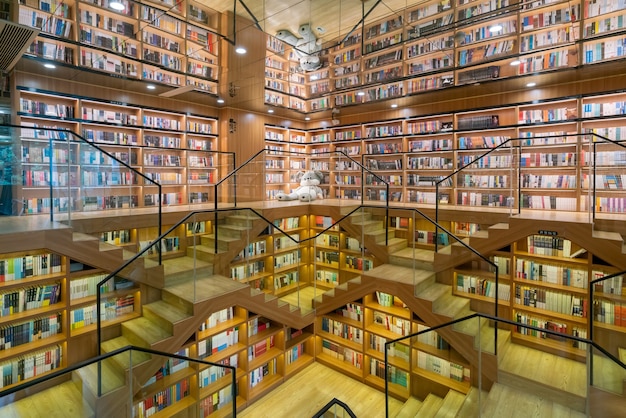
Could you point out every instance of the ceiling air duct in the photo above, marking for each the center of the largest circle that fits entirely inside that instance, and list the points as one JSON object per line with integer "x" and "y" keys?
{"x": 15, "y": 39}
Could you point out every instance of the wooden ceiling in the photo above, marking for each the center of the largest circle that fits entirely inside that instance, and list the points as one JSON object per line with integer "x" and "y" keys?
{"x": 331, "y": 20}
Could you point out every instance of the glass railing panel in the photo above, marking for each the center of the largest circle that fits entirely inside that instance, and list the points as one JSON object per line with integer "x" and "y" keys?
{"x": 427, "y": 373}
{"x": 600, "y": 179}
{"x": 132, "y": 383}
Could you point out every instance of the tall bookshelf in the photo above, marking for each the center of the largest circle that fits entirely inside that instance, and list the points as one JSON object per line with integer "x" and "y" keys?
{"x": 173, "y": 149}
{"x": 165, "y": 42}
{"x": 543, "y": 160}
{"x": 352, "y": 340}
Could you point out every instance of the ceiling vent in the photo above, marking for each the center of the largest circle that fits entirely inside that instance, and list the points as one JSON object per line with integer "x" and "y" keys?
{"x": 15, "y": 39}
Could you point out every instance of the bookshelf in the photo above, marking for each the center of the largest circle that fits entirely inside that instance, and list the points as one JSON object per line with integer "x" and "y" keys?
{"x": 173, "y": 149}
{"x": 153, "y": 41}
{"x": 34, "y": 315}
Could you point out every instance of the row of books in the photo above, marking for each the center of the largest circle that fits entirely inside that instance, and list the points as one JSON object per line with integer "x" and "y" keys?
{"x": 223, "y": 398}
{"x": 285, "y": 279}
{"x": 342, "y": 353}
{"x": 218, "y": 342}
{"x": 442, "y": 367}
{"x": 550, "y": 273}
{"x": 33, "y": 297}
{"x": 563, "y": 303}
{"x": 294, "y": 353}
{"x": 261, "y": 347}
{"x": 392, "y": 323}
{"x": 26, "y": 332}
{"x": 110, "y": 308}
{"x": 23, "y": 267}
{"x": 359, "y": 263}
{"x": 30, "y": 365}
{"x": 609, "y": 312}
{"x": 478, "y": 286}
{"x": 288, "y": 259}
{"x": 550, "y": 245}
{"x": 247, "y": 270}
{"x": 342, "y": 330}
{"x": 353, "y": 311}
{"x": 394, "y": 374}
{"x": 162, "y": 399}
{"x": 610, "y": 286}
{"x": 431, "y": 338}
{"x": 218, "y": 317}
{"x": 257, "y": 325}
{"x": 257, "y": 375}
{"x": 213, "y": 373}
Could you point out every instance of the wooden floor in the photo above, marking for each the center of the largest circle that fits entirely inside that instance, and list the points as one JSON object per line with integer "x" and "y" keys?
{"x": 308, "y": 391}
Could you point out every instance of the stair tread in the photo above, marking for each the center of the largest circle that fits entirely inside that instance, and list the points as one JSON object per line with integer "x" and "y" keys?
{"x": 451, "y": 404}
{"x": 123, "y": 359}
{"x": 204, "y": 248}
{"x": 209, "y": 287}
{"x": 400, "y": 274}
{"x": 409, "y": 408}
{"x": 105, "y": 246}
{"x": 417, "y": 253}
{"x": 472, "y": 403}
{"x": 501, "y": 225}
{"x": 450, "y": 305}
{"x": 167, "y": 311}
{"x": 80, "y": 236}
{"x": 112, "y": 378}
{"x": 430, "y": 406}
{"x": 434, "y": 292}
{"x": 502, "y": 397}
{"x": 149, "y": 331}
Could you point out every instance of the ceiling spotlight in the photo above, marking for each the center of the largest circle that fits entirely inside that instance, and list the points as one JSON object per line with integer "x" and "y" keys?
{"x": 307, "y": 118}
{"x": 117, "y": 5}
{"x": 270, "y": 111}
{"x": 393, "y": 106}
{"x": 240, "y": 50}
{"x": 151, "y": 87}
{"x": 516, "y": 62}
{"x": 495, "y": 28}
{"x": 531, "y": 84}
{"x": 313, "y": 77}
{"x": 220, "y": 100}
{"x": 49, "y": 65}
{"x": 360, "y": 93}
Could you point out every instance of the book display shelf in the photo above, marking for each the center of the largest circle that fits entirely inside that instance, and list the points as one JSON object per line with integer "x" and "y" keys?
{"x": 542, "y": 162}
{"x": 352, "y": 340}
{"x": 543, "y": 282}
{"x": 48, "y": 307}
{"x": 445, "y": 43}
{"x": 168, "y": 42}
{"x": 175, "y": 150}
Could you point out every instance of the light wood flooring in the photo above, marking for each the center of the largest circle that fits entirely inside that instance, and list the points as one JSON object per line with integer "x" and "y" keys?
{"x": 308, "y": 391}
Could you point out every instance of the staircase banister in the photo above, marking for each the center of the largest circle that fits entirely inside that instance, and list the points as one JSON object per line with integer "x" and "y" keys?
{"x": 334, "y": 401}
{"x": 60, "y": 372}
{"x": 591, "y": 290}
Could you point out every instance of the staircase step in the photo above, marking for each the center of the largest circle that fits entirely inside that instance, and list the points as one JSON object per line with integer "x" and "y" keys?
{"x": 433, "y": 292}
{"x": 202, "y": 252}
{"x": 186, "y": 268}
{"x": 504, "y": 398}
{"x": 451, "y": 405}
{"x": 111, "y": 378}
{"x": 409, "y": 408}
{"x": 413, "y": 257}
{"x": 144, "y": 333}
{"x": 400, "y": 274}
{"x": 165, "y": 314}
{"x": 450, "y": 305}
{"x": 123, "y": 360}
{"x": 430, "y": 406}
{"x": 472, "y": 403}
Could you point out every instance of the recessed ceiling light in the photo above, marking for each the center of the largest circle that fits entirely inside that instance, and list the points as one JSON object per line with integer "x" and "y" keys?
{"x": 531, "y": 84}
{"x": 240, "y": 50}
{"x": 48, "y": 65}
{"x": 117, "y": 5}
{"x": 394, "y": 105}
{"x": 516, "y": 62}
{"x": 361, "y": 93}
{"x": 220, "y": 101}
{"x": 151, "y": 87}
{"x": 495, "y": 28}
{"x": 307, "y": 118}
{"x": 313, "y": 77}
{"x": 270, "y": 111}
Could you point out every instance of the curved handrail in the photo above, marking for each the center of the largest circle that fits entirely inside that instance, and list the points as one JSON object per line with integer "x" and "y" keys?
{"x": 333, "y": 402}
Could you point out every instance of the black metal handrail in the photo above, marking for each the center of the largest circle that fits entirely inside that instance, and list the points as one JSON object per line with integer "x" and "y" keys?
{"x": 333, "y": 402}
{"x": 98, "y": 359}
{"x": 496, "y": 320}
